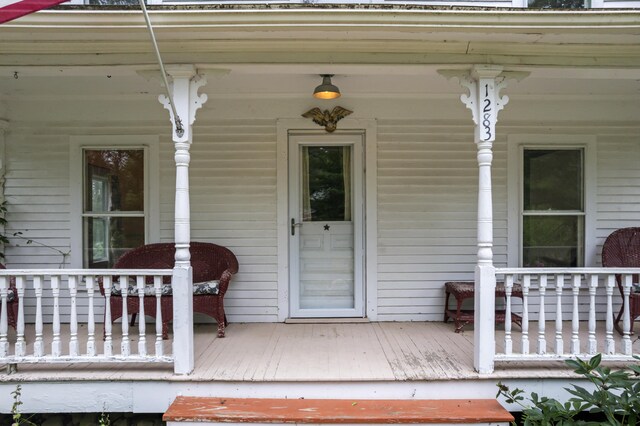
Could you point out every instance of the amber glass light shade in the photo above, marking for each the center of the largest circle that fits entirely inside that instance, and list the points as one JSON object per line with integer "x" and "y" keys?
{"x": 326, "y": 90}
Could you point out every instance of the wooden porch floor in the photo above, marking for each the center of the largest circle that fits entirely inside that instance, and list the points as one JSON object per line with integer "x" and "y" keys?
{"x": 334, "y": 352}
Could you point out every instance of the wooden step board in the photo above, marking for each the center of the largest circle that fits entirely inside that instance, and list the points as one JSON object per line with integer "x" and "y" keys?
{"x": 201, "y": 411}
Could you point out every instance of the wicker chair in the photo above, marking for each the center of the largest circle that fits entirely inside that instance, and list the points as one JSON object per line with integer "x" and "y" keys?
{"x": 621, "y": 249}
{"x": 213, "y": 267}
{"x": 12, "y": 302}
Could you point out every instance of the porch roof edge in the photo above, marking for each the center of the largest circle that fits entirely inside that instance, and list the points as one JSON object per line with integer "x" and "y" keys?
{"x": 370, "y": 17}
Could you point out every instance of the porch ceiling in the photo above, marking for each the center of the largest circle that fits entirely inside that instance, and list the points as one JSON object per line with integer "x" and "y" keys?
{"x": 315, "y": 36}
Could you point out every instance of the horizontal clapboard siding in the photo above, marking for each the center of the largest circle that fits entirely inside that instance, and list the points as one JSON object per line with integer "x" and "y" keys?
{"x": 618, "y": 185}
{"x": 233, "y": 203}
{"x": 427, "y": 215}
{"x": 427, "y": 198}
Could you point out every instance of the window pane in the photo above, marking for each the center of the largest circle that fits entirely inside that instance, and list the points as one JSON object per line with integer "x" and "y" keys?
{"x": 114, "y": 180}
{"x": 108, "y": 238}
{"x": 553, "y": 241}
{"x": 553, "y": 179}
{"x": 326, "y": 182}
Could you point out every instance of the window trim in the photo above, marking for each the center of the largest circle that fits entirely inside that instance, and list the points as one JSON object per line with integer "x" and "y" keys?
{"x": 516, "y": 145}
{"x": 77, "y": 146}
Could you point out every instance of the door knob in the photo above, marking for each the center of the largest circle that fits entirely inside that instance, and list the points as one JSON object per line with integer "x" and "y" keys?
{"x": 294, "y": 224}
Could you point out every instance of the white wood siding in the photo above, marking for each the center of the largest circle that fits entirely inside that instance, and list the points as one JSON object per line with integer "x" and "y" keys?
{"x": 233, "y": 203}
{"x": 427, "y": 214}
{"x": 618, "y": 200}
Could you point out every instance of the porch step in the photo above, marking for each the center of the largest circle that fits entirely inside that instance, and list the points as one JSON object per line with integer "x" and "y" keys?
{"x": 200, "y": 411}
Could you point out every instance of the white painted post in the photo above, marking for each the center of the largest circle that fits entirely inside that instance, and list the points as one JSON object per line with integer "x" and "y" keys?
{"x": 56, "y": 344}
{"x": 157, "y": 285}
{"x": 526, "y": 284}
{"x": 91, "y": 321}
{"x": 592, "y": 347}
{"x": 542, "y": 340}
{"x": 484, "y": 83}
{"x": 559, "y": 339}
{"x": 21, "y": 344}
{"x": 184, "y": 90}
{"x": 74, "y": 344}
{"x": 609, "y": 345}
{"x": 125, "y": 344}
{"x": 4, "y": 342}
{"x": 142, "y": 323}
{"x": 627, "y": 281}
{"x": 108, "y": 339}
{"x": 575, "y": 317}
{"x": 508, "y": 288}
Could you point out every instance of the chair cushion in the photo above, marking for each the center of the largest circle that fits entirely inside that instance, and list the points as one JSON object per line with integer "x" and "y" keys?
{"x": 11, "y": 295}
{"x": 208, "y": 287}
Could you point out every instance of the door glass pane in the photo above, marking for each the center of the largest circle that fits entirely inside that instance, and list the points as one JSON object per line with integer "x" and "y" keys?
{"x": 108, "y": 238}
{"x": 553, "y": 179}
{"x": 326, "y": 183}
{"x": 114, "y": 180}
{"x": 553, "y": 241}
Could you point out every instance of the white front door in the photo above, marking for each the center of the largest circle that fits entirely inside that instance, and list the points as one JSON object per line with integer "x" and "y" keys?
{"x": 326, "y": 225}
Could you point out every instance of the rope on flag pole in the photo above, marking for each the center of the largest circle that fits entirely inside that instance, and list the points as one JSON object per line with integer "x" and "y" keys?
{"x": 176, "y": 118}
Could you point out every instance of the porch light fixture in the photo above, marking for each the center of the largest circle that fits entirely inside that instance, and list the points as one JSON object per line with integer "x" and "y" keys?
{"x": 326, "y": 90}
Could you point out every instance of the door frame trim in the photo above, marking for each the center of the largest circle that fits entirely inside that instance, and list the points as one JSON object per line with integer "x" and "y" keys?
{"x": 369, "y": 129}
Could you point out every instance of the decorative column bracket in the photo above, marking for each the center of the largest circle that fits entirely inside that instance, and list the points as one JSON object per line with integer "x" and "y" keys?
{"x": 484, "y": 83}
{"x": 184, "y": 85}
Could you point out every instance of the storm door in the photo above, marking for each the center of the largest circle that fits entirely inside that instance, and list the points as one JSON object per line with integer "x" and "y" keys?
{"x": 326, "y": 225}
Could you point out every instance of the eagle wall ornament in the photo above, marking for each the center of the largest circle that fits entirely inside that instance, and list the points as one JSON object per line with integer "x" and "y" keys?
{"x": 327, "y": 119}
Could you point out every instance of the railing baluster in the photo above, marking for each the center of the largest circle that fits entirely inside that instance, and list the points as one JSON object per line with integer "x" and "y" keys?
{"x": 21, "y": 344}
{"x": 542, "y": 341}
{"x": 157, "y": 285}
{"x": 626, "y": 324}
{"x": 108, "y": 340}
{"x": 609, "y": 345}
{"x": 125, "y": 346}
{"x": 559, "y": 338}
{"x": 575, "y": 319}
{"x": 38, "y": 344}
{"x": 74, "y": 346}
{"x": 56, "y": 344}
{"x": 91, "y": 320}
{"x": 142, "y": 339}
{"x": 4, "y": 321}
{"x": 508, "y": 287}
{"x": 592, "y": 345}
{"x": 526, "y": 283}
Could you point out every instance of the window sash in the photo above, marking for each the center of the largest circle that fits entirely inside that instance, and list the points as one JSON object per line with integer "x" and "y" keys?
{"x": 579, "y": 214}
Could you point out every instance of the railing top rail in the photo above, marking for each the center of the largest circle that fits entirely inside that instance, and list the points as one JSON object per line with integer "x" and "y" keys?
{"x": 83, "y": 272}
{"x": 566, "y": 271}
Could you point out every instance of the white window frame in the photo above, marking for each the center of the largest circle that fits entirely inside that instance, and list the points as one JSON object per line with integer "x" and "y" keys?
{"x": 515, "y": 178}
{"x": 78, "y": 144}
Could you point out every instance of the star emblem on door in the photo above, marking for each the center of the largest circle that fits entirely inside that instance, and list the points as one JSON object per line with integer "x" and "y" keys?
{"x": 326, "y": 227}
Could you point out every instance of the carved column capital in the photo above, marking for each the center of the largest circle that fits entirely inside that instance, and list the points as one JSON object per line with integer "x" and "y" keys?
{"x": 484, "y": 83}
{"x": 184, "y": 82}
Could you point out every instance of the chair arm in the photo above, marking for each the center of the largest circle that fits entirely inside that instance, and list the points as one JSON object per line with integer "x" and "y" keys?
{"x": 225, "y": 278}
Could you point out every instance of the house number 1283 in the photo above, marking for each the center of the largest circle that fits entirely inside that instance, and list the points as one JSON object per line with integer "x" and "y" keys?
{"x": 486, "y": 115}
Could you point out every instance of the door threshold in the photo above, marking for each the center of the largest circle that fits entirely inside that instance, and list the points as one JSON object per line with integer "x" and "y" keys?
{"x": 325, "y": 320}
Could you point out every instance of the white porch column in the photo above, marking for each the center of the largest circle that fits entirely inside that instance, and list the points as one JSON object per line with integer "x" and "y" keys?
{"x": 484, "y": 83}
{"x": 184, "y": 90}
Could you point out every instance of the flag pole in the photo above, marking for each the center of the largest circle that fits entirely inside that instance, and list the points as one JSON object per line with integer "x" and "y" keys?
{"x": 176, "y": 118}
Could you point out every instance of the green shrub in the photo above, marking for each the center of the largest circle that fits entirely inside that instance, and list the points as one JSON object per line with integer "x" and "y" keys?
{"x": 616, "y": 397}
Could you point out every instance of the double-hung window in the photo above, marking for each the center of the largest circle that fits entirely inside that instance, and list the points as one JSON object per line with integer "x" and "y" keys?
{"x": 114, "y": 200}
{"x": 553, "y": 207}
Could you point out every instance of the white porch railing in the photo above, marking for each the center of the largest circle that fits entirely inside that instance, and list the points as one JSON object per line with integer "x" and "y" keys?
{"x": 567, "y": 297}
{"x": 75, "y": 347}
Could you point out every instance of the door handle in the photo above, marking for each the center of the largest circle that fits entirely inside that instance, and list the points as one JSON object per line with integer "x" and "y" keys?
{"x": 293, "y": 226}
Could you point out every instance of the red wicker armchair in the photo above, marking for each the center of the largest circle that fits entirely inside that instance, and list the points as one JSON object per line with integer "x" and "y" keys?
{"x": 213, "y": 267}
{"x": 621, "y": 249}
{"x": 12, "y": 302}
